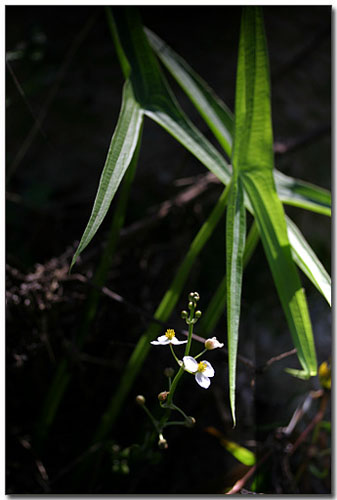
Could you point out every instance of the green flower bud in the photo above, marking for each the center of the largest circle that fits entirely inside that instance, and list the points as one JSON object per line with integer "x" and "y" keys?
{"x": 190, "y": 305}
{"x": 190, "y": 422}
{"x": 162, "y": 396}
{"x": 140, "y": 400}
{"x": 196, "y": 296}
{"x": 184, "y": 314}
{"x": 168, "y": 372}
{"x": 198, "y": 314}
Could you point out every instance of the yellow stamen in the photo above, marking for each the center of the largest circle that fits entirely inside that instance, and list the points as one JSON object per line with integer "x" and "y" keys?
{"x": 170, "y": 333}
{"x": 202, "y": 366}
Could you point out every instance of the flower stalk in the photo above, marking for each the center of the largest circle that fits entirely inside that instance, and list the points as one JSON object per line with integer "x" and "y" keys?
{"x": 190, "y": 322}
{"x": 201, "y": 370}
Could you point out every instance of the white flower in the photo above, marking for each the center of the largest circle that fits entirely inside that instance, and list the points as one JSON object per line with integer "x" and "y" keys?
{"x": 203, "y": 370}
{"x": 168, "y": 338}
{"x": 213, "y": 343}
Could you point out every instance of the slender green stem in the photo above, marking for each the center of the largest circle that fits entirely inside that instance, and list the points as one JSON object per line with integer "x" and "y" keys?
{"x": 174, "y": 355}
{"x": 174, "y": 385}
{"x": 187, "y": 350}
{"x": 190, "y": 331}
{"x": 153, "y": 420}
{"x": 167, "y": 424}
{"x": 200, "y": 354}
{"x": 163, "y": 311}
{"x": 174, "y": 407}
{"x": 217, "y": 304}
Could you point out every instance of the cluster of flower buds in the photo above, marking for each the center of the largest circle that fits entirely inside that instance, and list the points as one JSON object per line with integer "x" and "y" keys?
{"x": 193, "y": 317}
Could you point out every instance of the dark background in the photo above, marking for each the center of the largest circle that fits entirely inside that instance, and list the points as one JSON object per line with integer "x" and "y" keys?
{"x": 63, "y": 69}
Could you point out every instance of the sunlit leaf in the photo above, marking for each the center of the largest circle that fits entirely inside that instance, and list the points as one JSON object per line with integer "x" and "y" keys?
{"x": 242, "y": 454}
{"x": 121, "y": 150}
{"x": 253, "y": 157}
{"x": 307, "y": 260}
{"x": 220, "y": 120}
{"x": 235, "y": 244}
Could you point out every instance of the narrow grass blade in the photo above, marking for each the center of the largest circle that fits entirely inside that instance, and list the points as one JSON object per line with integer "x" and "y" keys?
{"x": 302, "y": 194}
{"x": 220, "y": 120}
{"x": 51, "y": 403}
{"x": 104, "y": 265}
{"x": 119, "y": 156}
{"x": 307, "y": 260}
{"x": 172, "y": 119}
{"x": 62, "y": 376}
{"x": 215, "y": 113}
{"x": 253, "y": 156}
{"x": 235, "y": 243}
{"x": 162, "y": 313}
{"x": 217, "y": 304}
{"x": 155, "y": 96}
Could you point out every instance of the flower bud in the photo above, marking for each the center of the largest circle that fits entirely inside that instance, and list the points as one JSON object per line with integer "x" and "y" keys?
{"x": 198, "y": 314}
{"x": 162, "y": 396}
{"x": 184, "y": 314}
{"x": 213, "y": 343}
{"x": 168, "y": 372}
{"x": 191, "y": 297}
{"x": 324, "y": 375}
{"x": 162, "y": 443}
{"x": 190, "y": 421}
{"x": 140, "y": 400}
{"x": 190, "y": 305}
{"x": 196, "y": 296}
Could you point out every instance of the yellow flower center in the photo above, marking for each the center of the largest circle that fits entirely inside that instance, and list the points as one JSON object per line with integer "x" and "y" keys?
{"x": 170, "y": 333}
{"x": 202, "y": 366}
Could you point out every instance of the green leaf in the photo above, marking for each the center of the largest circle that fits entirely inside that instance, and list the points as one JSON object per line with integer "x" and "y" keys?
{"x": 155, "y": 96}
{"x": 216, "y": 307}
{"x": 235, "y": 244}
{"x": 320, "y": 474}
{"x": 242, "y": 454}
{"x": 253, "y": 157}
{"x": 307, "y": 260}
{"x": 63, "y": 373}
{"x": 302, "y": 194}
{"x": 121, "y": 150}
{"x": 220, "y": 120}
{"x": 215, "y": 113}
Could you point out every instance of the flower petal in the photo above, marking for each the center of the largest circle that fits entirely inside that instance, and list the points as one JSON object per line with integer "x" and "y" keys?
{"x": 163, "y": 339}
{"x": 213, "y": 343}
{"x": 190, "y": 364}
{"x": 202, "y": 380}
{"x": 175, "y": 341}
{"x": 209, "y": 370}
